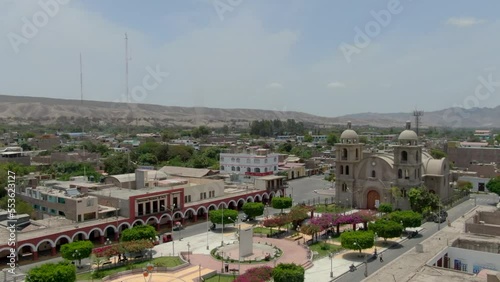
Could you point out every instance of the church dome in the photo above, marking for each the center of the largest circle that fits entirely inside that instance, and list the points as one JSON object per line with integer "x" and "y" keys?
{"x": 408, "y": 134}
{"x": 349, "y": 134}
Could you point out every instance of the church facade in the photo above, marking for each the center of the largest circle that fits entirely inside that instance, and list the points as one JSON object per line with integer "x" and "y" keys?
{"x": 366, "y": 179}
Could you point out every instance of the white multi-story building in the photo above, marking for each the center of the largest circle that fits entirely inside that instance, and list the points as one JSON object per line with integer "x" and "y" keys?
{"x": 255, "y": 162}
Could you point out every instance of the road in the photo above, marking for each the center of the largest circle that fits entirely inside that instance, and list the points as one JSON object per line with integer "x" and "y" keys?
{"x": 430, "y": 229}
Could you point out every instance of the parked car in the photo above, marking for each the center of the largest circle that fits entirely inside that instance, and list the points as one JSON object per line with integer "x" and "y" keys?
{"x": 439, "y": 219}
{"x": 246, "y": 218}
{"x": 178, "y": 226}
{"x": 167, "y": 237}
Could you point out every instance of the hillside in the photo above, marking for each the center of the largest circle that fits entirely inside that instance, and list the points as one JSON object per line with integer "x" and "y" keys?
{"x": 15, "y": 110}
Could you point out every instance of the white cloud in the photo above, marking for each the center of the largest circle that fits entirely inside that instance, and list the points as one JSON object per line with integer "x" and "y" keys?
{"x": 464, "y": 22}
{"x": 335, "y": 84}
{"x": 275, "y": 85}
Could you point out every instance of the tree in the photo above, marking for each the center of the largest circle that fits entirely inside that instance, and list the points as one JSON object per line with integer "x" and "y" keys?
{"x": 77, "y": 250}
{"x": 22, "y": 207}
{"x": 253, "y": 209}
{"x": 385, "y": 208}
{"x": 464, "y": 186}
{"x": 494, "y": 185}
{"x": 147, "y": 159}
{"x": 363, "y": 139}
{"x": 386, "y": 228}
{"x": 409, "y": 218}
{"x": 298, "y": 214}
{"x": 396, "y": 194}
{"x": 281, "y": 203}
{"x": 223, "y": 216}
{"x": 438, "y": 154}
{"x": 139, "y": 232}
{"x": 50, "y": 272}
{"x": 357, "y": 240}
{"x": 288, "y": 272}
{"x": 118, "y": 164}
{"x": 422, "y": 200}
{"x": 332, "y": 139}
{"x": 308, "y": 138}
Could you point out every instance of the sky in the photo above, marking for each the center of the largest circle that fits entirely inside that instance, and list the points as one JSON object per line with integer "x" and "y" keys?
{"x": 322, "y": 57}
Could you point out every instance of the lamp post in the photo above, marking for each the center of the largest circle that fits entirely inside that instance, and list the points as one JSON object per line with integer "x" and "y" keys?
{"x": 189, "y": 246}
{"x": 172, "y": 221}
{"x": 76, "y": 256}
{"x": 222, "y": 219}
{"x": 208, "y": 229}
{"x": 148, "y": 272}
{"x": 331, "y": 264}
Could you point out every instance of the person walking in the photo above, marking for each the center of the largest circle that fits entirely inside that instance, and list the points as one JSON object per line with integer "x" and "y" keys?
{"x": 381, "y": 259}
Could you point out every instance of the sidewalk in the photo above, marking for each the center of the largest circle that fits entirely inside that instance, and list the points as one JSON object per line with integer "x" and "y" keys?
{"x": 341, "y": 262}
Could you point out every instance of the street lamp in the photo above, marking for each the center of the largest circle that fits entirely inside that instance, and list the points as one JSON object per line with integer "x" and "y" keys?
{"x": 222, "y": 219}
{"x": 172, "y": 221}
{"x": 331, "y": 264}
{"x": 189, "y": 246}
{"x": 76, "y": 256}
{"x": 108, "y": 242}
{"x": 208, "y": 229}
{"x": 148, "y": 272}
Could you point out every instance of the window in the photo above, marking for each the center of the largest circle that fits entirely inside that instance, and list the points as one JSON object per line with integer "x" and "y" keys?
{"x": 265, "y": 161}
{"x": 344, "y": 154}
{"x": 211, "y": 194}
{"x": 233, "y": 168}
{"x": 221, "y": 167}
{"x": 275, "y": 168}
{"x": 346, "y": 170}
{"x": 341, "y": 169}
{"x": 237, "y": 168}
{"x": 249, "y": 169}
{"x": 203, "y": 196}
{"x": 187, "y": 199}
{"x": 404, "y": 156}
{"x": 256, "y": 169}
{"x": 407, "y": 174}
{"x": 237, "y": 160}
{"x": 265, "y": 169}
{"x": 275, "y": 159}
{"x": 232, "y": 159}
{"x": 90, "y": 202}
{"x": 416, "y": 157}
{"x": 373, "y": 174}
{"x": 400, "y": 174}
{"x": 256, "y": 161}
{"x": 403, "y": 193}
{"x": 61, "y": 200}
{"x": 357, "y": 154}
{"x": 344, "y": 187}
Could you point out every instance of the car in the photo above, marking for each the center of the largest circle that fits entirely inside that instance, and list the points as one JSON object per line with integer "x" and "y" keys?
{"x": 246, "y": 218}
{"x": 439, "y": 219}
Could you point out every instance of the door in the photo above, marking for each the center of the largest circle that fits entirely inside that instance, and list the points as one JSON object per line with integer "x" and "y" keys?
{"x": 371, "y": 199}
{"x": 480, "y": 187}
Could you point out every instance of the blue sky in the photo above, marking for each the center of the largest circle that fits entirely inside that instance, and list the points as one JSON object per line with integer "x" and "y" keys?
{"x": 276, "y": 55}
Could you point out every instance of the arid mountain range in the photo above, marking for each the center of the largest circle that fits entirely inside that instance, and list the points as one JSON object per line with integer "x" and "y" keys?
{"x": 17, "y": 109}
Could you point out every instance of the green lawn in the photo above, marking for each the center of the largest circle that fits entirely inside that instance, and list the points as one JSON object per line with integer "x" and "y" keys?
{"x": 262, "y": 230}
{"x": 331, "y": 208}
{"x": 161, "y": 261}
{"x": 220, "y": 278}
{"x": 323, "y": 249}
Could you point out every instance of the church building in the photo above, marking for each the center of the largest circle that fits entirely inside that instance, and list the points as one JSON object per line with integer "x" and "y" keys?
{"x": 365, "y": 179}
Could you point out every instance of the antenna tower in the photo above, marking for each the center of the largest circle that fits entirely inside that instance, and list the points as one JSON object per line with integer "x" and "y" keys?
{"x": 81, "y": 79}
{"x": 128, "y": 104}
{"x": 418, "y": 119}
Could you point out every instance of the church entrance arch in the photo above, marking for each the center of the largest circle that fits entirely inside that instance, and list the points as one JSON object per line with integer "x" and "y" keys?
{"x": 371, "y": 198}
